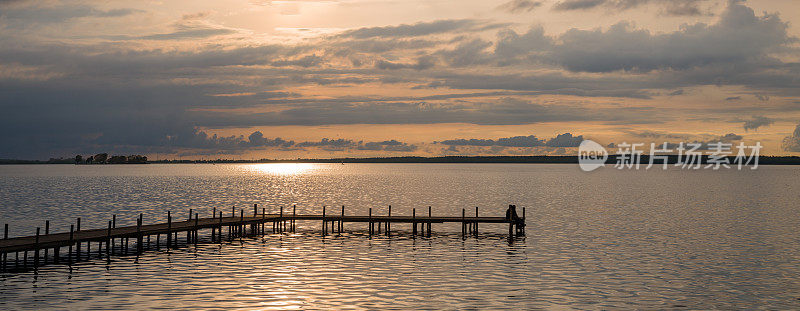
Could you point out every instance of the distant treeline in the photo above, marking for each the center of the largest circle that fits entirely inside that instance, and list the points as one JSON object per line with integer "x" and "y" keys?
{"x": 137, "y": 159}
{"x": 103, "y": 158}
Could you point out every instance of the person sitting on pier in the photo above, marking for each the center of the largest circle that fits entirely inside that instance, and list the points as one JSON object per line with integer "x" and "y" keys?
{"x": 511, "y": 214}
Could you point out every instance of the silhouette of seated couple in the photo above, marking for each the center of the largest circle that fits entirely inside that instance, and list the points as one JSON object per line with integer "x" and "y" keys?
{"x": 511, "y": 214}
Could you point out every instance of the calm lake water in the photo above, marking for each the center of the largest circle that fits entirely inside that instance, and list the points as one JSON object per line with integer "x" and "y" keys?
{"x": 607, "y": 239}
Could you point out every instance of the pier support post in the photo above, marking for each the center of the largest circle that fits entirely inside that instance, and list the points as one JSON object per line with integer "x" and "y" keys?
{"x": 263, "y": 220}
{"x": 463, "y": 223}
{"x": 108, "y": 240}
{"x": 219, "y": 229}
{"x": 213, "y": 229}
{"x": 71, "y": 239}
{"x": 169, "y": 229}
{"x": 476, "y": 222}
{"x": 294, "y": 218}
{"x": 139, "y": 234}
{"x": 113, "y": 226}
{"x": 78, "y": 246}
{"x": 282, "y": 223}
{"x": 188, "y": 228}
{"x": 389, "y": 223}
{"x": 36, "y": 250}
{"x": 369, "y": 224}
{"x": 341, "y": 226}
{"x": 428, "y": 234}
{"x": 46, "y": 232}
{"x": 196, "y": 225}
{"x": 254, "y": 225}
{"x": 5, "y": 255}
{"x": 323, "y": 221}
{"x": 414, "y": 222}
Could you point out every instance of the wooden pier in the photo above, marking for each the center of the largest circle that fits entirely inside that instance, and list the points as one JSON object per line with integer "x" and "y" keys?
{"x": 112, "y": 240}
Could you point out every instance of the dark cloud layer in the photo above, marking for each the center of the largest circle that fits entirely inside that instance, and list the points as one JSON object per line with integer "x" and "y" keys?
{"x": 519, "y": 6}
{"x": 757, "y": 122}
{"x": 671, "y": 7}
{"x": 562, "y": 140}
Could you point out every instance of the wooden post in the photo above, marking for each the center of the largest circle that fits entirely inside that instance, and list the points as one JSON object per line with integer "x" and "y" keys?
{"x": 36, "y": 250}
{"x": 78, "y": 247}
{"x": 282, "y": 223}
{"x": 523, "y": 221}
{"x": 71, "y": 233}
{"x": 46, "y": 232}
{"x": 139, "y": 234}
{"x": 254, "y": 225}
{"x": 5, "y": 255}
{"x": 463, "y": 223}
{"x": 196, "y": 224}
{"x": 369, "y": 228}
{"x": 294, "y": 218}
{"x": 429, "y": 221}
{"x": 108, "y": 239}
{"x": 389, "y": 222}
{"x": 263, "y": 221}
{"x": 56, "y": 253}
{"x": 188, "y": 229}
{"x": 113, "y": 226}
{"x": 476, "y": 221}
{"x": 323, "y": 220}
{"x": 241, "y": 222}
{"x": 414, "y": 222}
{"x": 219, "y": 230}
{"x": 213, "y": 229}
{"x": 341, "y": 226}
{"x": 169, "y": 229}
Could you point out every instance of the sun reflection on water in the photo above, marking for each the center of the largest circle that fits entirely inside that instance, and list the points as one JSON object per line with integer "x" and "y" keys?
{"x": 282, "y": 168}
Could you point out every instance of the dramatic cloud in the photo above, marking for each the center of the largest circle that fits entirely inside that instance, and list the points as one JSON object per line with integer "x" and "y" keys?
{"x": 565, "y": 140}
{"x": 562, "y": 140}
{"x": 518, "y": 6}
{"x": 256, "y": 139}
{"x": 413, "y": 30}
{"x": 579, "y": 4}
{"x": 22, "y": 16}
{"x": 740, "y": 37}
{"x": 671, "y": 7}
{"x": 388, "y": 145}
{"x": 792, "y": 143}
{"x": 423, "y": 62}
{"x": 756, "y": 122}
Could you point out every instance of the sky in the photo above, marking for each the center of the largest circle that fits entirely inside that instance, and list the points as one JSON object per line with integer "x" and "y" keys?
{"x": 364, "y": 78}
